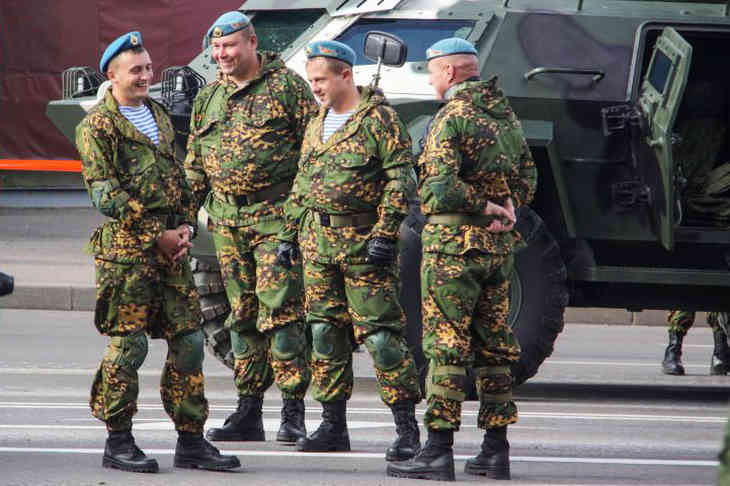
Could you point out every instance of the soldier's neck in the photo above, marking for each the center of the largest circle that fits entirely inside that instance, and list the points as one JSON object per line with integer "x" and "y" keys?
{"x": 126, "y": 101}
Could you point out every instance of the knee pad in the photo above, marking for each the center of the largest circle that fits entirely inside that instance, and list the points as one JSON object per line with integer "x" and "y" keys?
{"x": 329, "y": 342}
{"x": 187, "y": 352}
{"x": 287, "y": 342}
{"x": 386, "y": 348}
{"x": 128, "y": 351}
{"x": 247, "y": 343}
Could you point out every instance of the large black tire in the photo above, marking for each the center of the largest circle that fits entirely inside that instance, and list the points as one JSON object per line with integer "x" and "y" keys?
{"x": 215, "y": 308}
{"x": 538, "y": 295}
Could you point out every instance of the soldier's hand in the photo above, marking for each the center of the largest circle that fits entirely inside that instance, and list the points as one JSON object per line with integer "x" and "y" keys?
{"x": 287, "y": 254}
{"x": 381, "y": 251}
{"x": 173, "y": 245}
{"x": 505, "y": 216}
{"x": 184, "y": 244}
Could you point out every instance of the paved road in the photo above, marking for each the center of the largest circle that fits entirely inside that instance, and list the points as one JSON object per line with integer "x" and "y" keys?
{"x": 575, "y": 432}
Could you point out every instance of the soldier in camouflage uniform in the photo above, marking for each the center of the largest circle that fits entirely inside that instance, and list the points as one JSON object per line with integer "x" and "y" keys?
{"x": 723, "y": 472}
{"x": 679, "y": 322}
{"x": 245, "y": 135}
{"x": 143, "y": 278}
{"x": 346, "y": 207}
{"x": 475, "y": 168}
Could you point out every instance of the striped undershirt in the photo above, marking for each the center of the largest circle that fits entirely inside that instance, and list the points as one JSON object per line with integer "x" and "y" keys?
{"x": 142, "y": 119}
{"x": 332, "y": 122}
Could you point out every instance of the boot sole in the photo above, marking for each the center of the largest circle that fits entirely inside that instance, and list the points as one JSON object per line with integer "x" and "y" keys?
{"x": 491, "y": 473}
{"x": 288, "y": 439}
{"x": 432, "y": 475}
{"x": 110, "y": 463}
{"x": 188, "y": 464}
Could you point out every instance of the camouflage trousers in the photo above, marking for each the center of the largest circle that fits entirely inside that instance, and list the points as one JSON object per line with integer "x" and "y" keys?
{"x": 465, "y": 302}
{"x": 723, "y": 472}
{"x": 268, "y": 334}
{"x": 160, "y": 300}
{"x": 349, "y": 304}
{"x": 680, "y": 321}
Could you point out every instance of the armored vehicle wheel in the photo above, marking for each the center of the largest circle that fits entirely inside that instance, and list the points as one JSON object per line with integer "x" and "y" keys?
{"x": 215, "y": 309}
{"x": 538, "y": 295}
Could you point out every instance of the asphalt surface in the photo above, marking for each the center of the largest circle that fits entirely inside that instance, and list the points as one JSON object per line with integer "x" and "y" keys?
{"x": 596, "y": 428}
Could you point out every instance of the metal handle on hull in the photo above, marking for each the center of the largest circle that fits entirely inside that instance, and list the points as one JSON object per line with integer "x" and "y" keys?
{"x": 597, "y": 74}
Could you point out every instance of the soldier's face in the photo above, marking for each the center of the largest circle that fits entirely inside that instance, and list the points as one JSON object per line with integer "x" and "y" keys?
{"x": 327, "y": 84}
{"x": 236, "y": 53}
{"x": 440, "y": 74}
{"x": 131, "y": 75}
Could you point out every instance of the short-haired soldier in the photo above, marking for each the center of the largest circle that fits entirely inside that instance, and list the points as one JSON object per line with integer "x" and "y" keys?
{"x": 143, "y": 277}
{"x": 475, "y": 168}
{"x": 347, "y": 203}
{"x": 245, "y": 135}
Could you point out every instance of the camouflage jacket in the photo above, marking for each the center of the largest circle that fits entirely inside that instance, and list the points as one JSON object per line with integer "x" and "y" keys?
{"x": 247, "y": 139}
{"x": 364, "y": 167}
{"x": 139, "y": 185}
{"x": 475, "y": 152}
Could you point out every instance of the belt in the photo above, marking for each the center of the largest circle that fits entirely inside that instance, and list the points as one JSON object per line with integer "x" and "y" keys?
{"x": 271, "y": 194}
{"x": 342, "y": 220}
{"x": 460, "y": 218}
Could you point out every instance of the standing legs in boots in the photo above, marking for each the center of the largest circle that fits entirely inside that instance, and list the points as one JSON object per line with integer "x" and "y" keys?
{"x": 408, "y": 442}
{"x": 493, "y": 460}
{"x": 332, "y": 435}
{"x": 435, "y": 461}
{"x": 720, "y": 361}
{"x": 672, "y": 364}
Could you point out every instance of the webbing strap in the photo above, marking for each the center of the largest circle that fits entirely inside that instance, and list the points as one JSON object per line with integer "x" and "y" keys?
{"x": 449, "y": 370}
{"x": 491, "y": 370}
{"x": 495, "y": 397}
{"x": 458, "y": 219}
{"x": 442, "y": 391}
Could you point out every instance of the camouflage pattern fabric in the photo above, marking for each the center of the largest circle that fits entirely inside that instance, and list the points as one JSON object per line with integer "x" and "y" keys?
{"x": 474, "y": 153}
{"x": 264, "y": 298}
{"x": 355, "y": 301}
{"x": 680, "y": 321}
{"x": 139, "y": 291}
{"x": 465, "y": 306}
{"x": 244, "y": 140}
{"x": 247, "y": 139}
{"x": 723, "y": 471}
{"x": 140, "y": 186}
{"x": 364, "y": 167}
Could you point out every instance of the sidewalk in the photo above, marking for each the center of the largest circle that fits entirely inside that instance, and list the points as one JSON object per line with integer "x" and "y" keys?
{"x": 43, "y": 250}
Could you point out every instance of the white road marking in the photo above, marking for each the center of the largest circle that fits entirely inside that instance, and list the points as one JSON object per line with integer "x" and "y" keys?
{"x": 647, "y": 364}
{"x": 719, "y": 419}
{"x": 379, "y": 456}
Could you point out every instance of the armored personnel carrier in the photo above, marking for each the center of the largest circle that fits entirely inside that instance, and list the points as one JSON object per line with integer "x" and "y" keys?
{"x": 625, "y": 107}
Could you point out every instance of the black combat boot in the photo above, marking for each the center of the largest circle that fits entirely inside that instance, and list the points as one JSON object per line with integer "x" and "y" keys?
{"x": 194, "y": 452}
{"x": 720, "y": 361}
{"x": 672, "y": 364}
{"x": 331, "y": 436}
{"x": 493, "y": 460}
{"x": 408, "y": 442}
{"x": 292, "y": 426}
{"x": 245, "y": 424}
{"x": 435, "y": 461}
{"x": 122, "y": 453}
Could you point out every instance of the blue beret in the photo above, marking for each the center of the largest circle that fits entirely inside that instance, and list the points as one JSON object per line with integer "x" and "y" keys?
{"x": 228, "y": 23}
{"x": 119, "y": 45}
{"x": 333, "y": 49}
{"x": 448, "y": 47}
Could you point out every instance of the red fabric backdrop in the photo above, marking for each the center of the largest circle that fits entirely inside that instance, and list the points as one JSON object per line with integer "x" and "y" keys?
{"x": 39, "y": 39}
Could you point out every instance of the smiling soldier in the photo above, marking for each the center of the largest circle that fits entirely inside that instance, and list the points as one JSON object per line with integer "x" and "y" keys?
{"x": 143, "y": 278}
